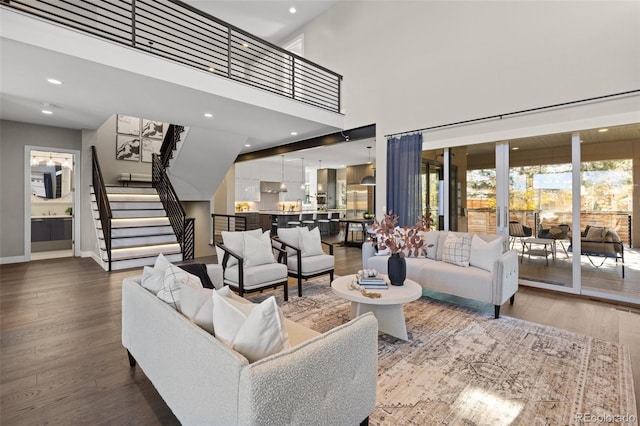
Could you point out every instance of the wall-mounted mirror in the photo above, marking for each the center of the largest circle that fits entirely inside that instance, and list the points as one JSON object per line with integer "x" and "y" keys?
{"x": 51, "y": 175}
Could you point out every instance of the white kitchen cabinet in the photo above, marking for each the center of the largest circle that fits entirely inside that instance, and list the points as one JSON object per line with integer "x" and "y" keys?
{"x": 247, "y": 189}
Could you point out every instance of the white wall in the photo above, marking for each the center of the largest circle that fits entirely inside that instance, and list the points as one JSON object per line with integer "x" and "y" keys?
{"x": 414, "y": 64}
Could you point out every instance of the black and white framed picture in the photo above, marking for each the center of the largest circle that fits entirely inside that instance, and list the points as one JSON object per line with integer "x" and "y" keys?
{"x": 152, "y": 129}
{"x": 128, "y": 148}
{"x": 149, "y": 147}
{"x": 128, "y": 125}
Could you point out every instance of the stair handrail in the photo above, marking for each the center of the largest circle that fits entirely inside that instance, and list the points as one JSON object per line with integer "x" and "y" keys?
{"x": 183, "y": 226}
{"x": 104, "y": 209}
{"x": 170, "y": 143}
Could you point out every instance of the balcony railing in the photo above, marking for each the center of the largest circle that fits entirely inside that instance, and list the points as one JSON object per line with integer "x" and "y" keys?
{"x": 178, "y": 32}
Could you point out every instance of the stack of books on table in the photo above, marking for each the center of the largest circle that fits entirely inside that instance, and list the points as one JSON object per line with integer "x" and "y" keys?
{"x": 373, "y": 283}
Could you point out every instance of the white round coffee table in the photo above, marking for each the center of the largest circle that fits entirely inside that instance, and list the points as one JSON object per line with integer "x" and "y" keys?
{"x": 387, "y": 309}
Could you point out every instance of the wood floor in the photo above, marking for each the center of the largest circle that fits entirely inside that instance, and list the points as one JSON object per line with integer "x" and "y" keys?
{"x": 61, "y": 360}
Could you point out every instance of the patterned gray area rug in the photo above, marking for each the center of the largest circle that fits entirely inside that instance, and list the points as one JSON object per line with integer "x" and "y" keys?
{"x": 461, "y": 367}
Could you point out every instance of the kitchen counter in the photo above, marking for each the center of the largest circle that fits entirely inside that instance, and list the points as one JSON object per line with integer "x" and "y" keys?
{"x": 51, "y": 216}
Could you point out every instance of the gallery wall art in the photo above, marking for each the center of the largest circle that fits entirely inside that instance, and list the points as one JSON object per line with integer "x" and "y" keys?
{"x": 138, "y": 139}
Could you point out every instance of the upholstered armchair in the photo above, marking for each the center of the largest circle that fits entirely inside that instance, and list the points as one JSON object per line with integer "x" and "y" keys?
{"x": 248, "y": 262}
{"x": 301, "y": 250}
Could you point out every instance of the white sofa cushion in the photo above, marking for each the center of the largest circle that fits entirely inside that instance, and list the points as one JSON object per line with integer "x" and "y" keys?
{"x": 310, "y": 241}
{"x": 197, "y": 305}
{"x": 289, "y": 236}
{"x": 174, "y": 278}
{"x": 312, "y": 264}
{"x": 473, "y": 283}
{"x": 457, "y": 249}
{"x": 234, "y": 241}
{"x": 257, "y": 276}
{"x": 256, "y": 331}
{"x": 484, "y": 253}
{"x": 257, "y": 250}
{"x": 152, "y": 279}
{"x": 430, "y": 244}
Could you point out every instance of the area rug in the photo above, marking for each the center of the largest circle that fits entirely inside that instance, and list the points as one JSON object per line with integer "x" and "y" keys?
{"x": 462, "y": 367}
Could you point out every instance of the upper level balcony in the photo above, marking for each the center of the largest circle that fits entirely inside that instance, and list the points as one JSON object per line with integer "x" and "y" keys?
{"x": 178, "y": 32}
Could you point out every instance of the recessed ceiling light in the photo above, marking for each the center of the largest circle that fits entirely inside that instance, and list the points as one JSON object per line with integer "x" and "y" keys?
{"x": 54, "y": 81}
{"x": 603, "y": 130}
{"x": 294, "y": 133}
{"x": 208, "y": 115}
{"x": 292, "y": 10}
{"x": 515, "y": 148}
{"x": 46, "y": 111}
{"x": 247, "y": 145}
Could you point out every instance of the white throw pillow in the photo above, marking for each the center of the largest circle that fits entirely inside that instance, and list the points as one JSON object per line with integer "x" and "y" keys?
{"x": 152, "y": 279}
{"x": 310, "y": 241}
{"x": 380, "y": 252}
{"x": 430, "y": 239}
{"x": 234, "y": 241}
{"x": 174, "y": 278}
{"x": 197, "y": 305}
{"x": 457, "y": 249}
{"x": 255, "y": 331}
{"x": 289, "y": 236}
{"x": 483, "y": 253}
{"x": 257, "y": 250}
{"x": 161, "y": 263}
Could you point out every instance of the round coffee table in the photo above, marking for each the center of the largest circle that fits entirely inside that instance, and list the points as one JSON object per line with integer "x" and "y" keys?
{"x": 387, "y": 309}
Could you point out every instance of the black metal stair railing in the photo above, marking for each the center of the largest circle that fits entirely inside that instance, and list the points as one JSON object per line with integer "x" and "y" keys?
{"x": 169, "y": 143}
{"x": 178, "y": 32}
{"x": 183, "y": 227}
{"x": 104, "y": 209}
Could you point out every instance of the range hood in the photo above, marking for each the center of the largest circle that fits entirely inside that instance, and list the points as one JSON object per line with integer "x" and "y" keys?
{"x": 271, "y": 187}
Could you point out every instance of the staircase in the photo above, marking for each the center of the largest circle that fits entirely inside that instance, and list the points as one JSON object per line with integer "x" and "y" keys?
{"x": 140, "y": 228}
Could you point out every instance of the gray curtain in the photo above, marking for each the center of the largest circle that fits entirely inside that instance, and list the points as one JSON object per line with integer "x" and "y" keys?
{"x": 404, "y": 184}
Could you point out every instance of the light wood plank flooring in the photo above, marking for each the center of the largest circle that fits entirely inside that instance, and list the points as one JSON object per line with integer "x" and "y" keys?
{"x": 61, "y": 360}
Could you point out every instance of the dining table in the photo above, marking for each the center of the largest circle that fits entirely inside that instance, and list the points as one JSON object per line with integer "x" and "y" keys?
{"x": 356, "y": 222}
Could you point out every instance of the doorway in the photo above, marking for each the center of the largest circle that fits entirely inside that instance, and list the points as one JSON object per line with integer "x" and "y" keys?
{"x": 50, "y": 202}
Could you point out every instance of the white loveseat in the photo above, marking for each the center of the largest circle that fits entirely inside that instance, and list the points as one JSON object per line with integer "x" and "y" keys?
{"x": 327, "y": 378}
{"x": 494, "y": 284}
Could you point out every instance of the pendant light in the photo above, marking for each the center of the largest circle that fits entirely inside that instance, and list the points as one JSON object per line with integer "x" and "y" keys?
{"x": 369, "y": 180}
{"x": 302, "y": 186}
{"x": 283, "y": 187}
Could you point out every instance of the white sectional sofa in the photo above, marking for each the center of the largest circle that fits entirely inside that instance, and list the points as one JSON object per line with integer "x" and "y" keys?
{"x": 495, "y": 281}
{"x": 327, "y": 378}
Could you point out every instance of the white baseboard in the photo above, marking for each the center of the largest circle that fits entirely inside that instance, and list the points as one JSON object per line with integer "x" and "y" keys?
{"x": 12, "y": 259}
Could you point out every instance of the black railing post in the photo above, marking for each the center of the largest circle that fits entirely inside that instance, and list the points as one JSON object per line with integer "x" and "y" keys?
{"x": 629, "y": 229}
{"x": 133, "y": 23}
{"x": 229, "y": 52}
{"x": 293, "y": 77}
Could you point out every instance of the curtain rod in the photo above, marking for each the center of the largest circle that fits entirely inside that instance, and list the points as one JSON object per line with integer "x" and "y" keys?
{"x": 524, "y": 111}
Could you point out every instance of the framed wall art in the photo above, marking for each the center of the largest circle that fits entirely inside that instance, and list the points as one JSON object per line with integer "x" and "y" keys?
{"x": 128, "y": 125}
{"x": 127, "y": 148}
{"x": 152, "y": 129}
{"x": 150, "y": 147}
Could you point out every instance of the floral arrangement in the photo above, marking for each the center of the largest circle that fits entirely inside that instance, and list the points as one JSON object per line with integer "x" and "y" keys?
{"x": 400, "y": 240}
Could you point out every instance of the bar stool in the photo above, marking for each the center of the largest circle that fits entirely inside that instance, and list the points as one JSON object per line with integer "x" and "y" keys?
{"x": 336, "y": 226}
{"x": 308, "y": 219}
{"x": 294, "y": 223}
{"x": 274, "y": 224}
{"x": 324, "y": 220}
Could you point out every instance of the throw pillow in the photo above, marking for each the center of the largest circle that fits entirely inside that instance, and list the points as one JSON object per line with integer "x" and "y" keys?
{"x": 289, "y": 236}
{"x": 430, "y": 244}
{"x": 484, "y": 253}
{"x": 257, "y": 250}
{"x": 152, "y": 279}
{"x": 255, "y": 331}
{"x": 380, "y": 252}
{"x": 596, "y": 233}
{"x": 457, "y": 250}
{"x": 516, "y": 230}
{"x": 197, "y": 305}
{"x": 310, "y": 241}
{"x": 234, "y": 241}
{"x": 174, "y": 278}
